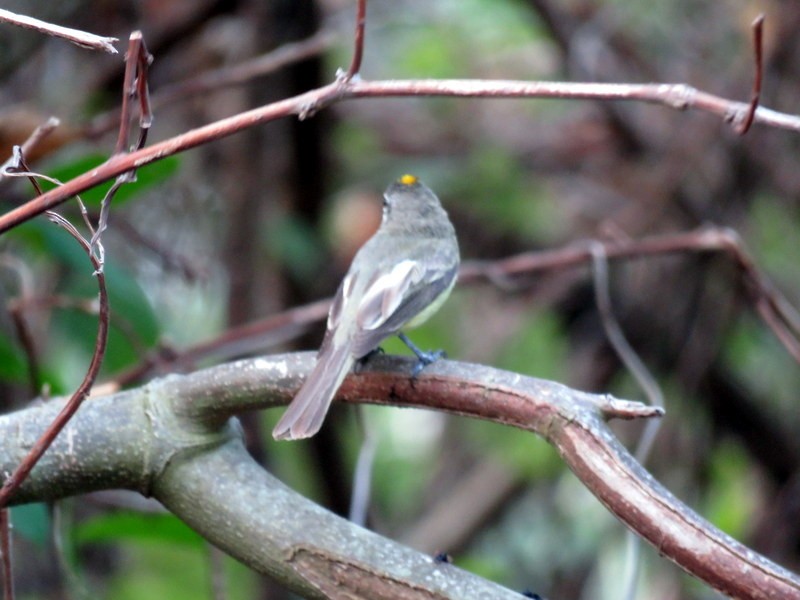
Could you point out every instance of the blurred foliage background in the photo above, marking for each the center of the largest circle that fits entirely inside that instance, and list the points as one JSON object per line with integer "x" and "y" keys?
{"x": 268, "y": 219}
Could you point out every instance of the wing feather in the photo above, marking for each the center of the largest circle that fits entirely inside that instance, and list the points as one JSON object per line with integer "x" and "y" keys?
{"x": 414, "y": 294}
{"x": 385, "y": 294}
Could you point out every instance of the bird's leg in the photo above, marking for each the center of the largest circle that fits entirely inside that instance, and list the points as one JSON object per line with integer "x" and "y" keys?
{"x": 423, "y": 358}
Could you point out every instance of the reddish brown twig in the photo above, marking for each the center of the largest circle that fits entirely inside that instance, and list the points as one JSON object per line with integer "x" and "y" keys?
{"x": 137, "y": 61}
{"x": 38, "y": 135}
{"x": 234, "y": 342}
{"x": 758, "y": 53}
{"x": 224, "y": 78}
{"x": 5, "y": 551}
{"x": 76, "y": 36}
{"x": 15, "y": 163}
{"x": 677, "y": 96}
{"x": 134, "y": 86}
{"x": 171, "y": 260}
{"x": 769, "y": 303}
{"x": 46, "y": 439}
{"x": 358, "y": 48}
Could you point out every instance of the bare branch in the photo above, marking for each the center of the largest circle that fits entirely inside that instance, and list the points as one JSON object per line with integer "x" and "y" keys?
{"x": 225, "y": 77}
{"x": 5, "y": 555}
{"x": 758, "y": 53}
{"x": 572, "y": 421}
{"x": 263, "y": 334}
{"x": 38, "y": 135}
{"x": 137, "y": 62}
{"x": 358, "y": 45}
{"x": 770, "y": 304}
{"x": 76, "y": 36}
{"x": 134, "y": 85}
{"x": 238, "y": 74}
{"x": 18, "y": 475}
{"x": 646, "y": 381}
{"x": 622, "y": 347}
{"x": 676, "y": 96}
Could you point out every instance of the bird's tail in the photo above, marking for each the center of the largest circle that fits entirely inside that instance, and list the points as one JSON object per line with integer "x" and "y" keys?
{"x": 307, "y": 411}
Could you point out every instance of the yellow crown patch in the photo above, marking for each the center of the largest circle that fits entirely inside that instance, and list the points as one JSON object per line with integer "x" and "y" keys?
{"x": 408, "y": 180}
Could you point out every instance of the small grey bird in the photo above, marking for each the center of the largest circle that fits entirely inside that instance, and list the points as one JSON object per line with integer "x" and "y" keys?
{"x": 398, "y": 279}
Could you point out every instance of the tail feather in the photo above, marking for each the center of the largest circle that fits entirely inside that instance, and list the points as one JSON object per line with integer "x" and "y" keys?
{"x": 307, "y": 411}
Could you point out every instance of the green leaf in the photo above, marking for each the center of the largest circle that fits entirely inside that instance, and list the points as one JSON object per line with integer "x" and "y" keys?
{"x": 292, "y": 242}
{"x": 527, "y": 455}
{"x": 13, "y": 365}
{"x": 146, "y": 177}
{"x": 132, "y": 526}
{"x": 538, "y": 348}
{"x": 499, "y": 191}
{"x": 131, "y": 312}
{"x": 733, "y": 490}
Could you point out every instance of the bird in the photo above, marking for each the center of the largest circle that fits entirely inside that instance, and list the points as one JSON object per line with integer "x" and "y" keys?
{"x": 397, "y": 280}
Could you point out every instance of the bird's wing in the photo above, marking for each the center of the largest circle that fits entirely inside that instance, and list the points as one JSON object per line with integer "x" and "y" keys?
{"x": 341, "y": 299}
{"x": 396, "y": 297}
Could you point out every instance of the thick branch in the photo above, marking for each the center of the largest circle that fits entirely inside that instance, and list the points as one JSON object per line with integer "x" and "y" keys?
{"x": 253, "y": 516}
{"x": 167, "y": 437}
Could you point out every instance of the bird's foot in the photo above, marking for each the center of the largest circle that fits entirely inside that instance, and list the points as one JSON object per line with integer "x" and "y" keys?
{"x": 423, "y": 358}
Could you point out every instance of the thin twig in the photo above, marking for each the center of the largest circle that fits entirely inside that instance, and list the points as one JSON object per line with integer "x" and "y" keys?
{"x": 76, "y": 36}
{"x": 129, "y": 90}
{"x": 646, "y": 381}
{"x": 216, "y": 568}
{"x": 776, "y": 311}
{"x": 5, "y": 552}
{"x": 677, "y": 96}
{"x": 17, "y": 167}
{"x": 758, "y": 53}
{"x": 137, "y": 62}
{"x": 241, "y": 73}
{"x": 358, "y": 47}
{"x": 143, "y": 62}
{"x": 769, "y": 303}
{"x": 224, "y": 77}
{"x": 362, "y": 477}
{"x": 16, "y": 478}
{"x": 70, "y": 576}
{"x": 34, "y": 139}
{"x": 15, "y": 307}
{"x": 238, "y": 341}
{"x": 170, "y": 259}
{"x": 622, "y": 347}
